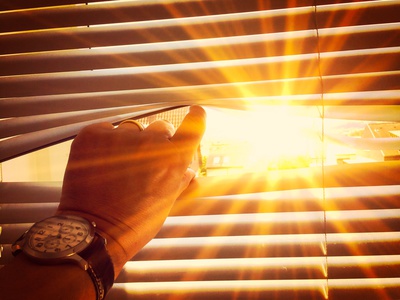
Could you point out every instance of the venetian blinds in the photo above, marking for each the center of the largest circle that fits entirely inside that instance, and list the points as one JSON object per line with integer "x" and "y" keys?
{"x": 325, "y": 232}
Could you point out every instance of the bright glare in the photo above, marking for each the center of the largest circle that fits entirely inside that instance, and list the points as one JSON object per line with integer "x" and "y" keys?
{"x": 261, "y": 139}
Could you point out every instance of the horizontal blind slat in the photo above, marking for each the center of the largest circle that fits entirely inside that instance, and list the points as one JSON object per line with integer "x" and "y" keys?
{"x": 373, "y": 81}
{"x": 361, "y": 61}
{"x": 348, "y": 183}
{"x": 161, "y": 31}
{"x": 233, "y": 247}
{"x": 295, "y": 86}
{"x": 244, "y": 70}
{"x": 225, "y": 95}
{"x": 219, "y": 95}
{"x": 358, "y": 289}
{"x": 300, "y": 245}
{"x": 27, "y": 212}
{"x": 357, "y": 13}
{"x": 358, "y": 37}
{"x": 371, "y": 243}
{"x": 378, "y": 266}
{"x": 366, "y": 288}
{"x": 389, "y": 113}
{"x": 125, "y": 11}
{"x": 149, "y": 54}
{"x": 364, "y": 176}
{"x": 11, "y": 232}
{"x": 195, "y": 226}
{"x": 224, "y": 269}
{"x": 239, "y": 289}
{"x": 262, "y": 223}
{"x": 262, "y": 268}
{"x": 28, "y": 4}
{"x": 334, "y": 176}
{"x": 30, "y": 192}
{"x": 78, "y": 15}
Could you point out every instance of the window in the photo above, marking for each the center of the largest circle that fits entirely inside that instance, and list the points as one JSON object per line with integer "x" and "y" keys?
{"x": 286, "y": 216}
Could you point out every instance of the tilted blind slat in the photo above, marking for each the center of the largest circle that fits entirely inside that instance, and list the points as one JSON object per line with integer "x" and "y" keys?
{"x": 363, "y": 243}
{"x": 389, "y": 113}
{"x": 382, "y": 100}
{"x": 267, "y": 268}
{"x": 361, "y": 61}
{"x": 333, "y": 84}
{"x": 357, "y": 289}
{"x": 160, "y": 31}
{"x": 366, "y": 288}
{"x": 126, "y": 11}
{"x": 15, "y": 126}
{"x": 362, "y": 178}
{"x": 358, "y": 266}
{"x": 362, "y": 82}
{"x": 212, "y": 94}
{"x": 241, "y": 289}
{"x": 357, "y": 13}
{"x": 234, "y": 246}
{"x": 27, "y": 212}
{"x": 243, "y": 224}
{"x": 36, "y": 140}
{"x": 358, "y": 37}
{"x": 29, "y": 192}
{"x": 203, "y": 73}
{"x": 234, "y": 224}
{"x": 228, "y": 48}
{"x": 27, "y": 4}
{"x": 224, "y": 269}
{"x": 76, "y": 15}
{"x": 11, "y": 232}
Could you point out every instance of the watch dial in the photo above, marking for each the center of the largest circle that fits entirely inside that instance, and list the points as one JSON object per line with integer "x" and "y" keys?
{"x": 58, "y": 234}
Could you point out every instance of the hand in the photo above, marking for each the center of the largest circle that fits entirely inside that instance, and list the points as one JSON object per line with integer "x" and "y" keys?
{"x": 127, "y": 180}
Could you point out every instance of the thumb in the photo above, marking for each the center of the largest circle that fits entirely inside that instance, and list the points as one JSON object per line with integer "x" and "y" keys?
{"x": 186, "y": 179}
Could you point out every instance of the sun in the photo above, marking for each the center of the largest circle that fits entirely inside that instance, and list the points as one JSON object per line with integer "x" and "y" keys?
{"x": 275, "y": 137}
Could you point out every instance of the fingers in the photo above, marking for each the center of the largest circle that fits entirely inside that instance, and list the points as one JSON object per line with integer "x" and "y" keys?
{"x": 92, "y": 131}
{"x": 161, "y": 127}
{"x": 188, "y": 136}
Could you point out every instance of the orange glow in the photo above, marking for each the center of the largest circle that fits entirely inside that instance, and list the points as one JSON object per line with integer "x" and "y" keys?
{"x": 264, "y": 138}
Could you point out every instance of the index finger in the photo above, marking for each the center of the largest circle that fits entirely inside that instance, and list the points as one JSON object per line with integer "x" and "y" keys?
{"x": 188, "y": 136}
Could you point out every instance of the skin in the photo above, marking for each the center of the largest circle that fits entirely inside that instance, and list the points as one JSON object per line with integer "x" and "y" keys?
{"x": 126, "y": 181}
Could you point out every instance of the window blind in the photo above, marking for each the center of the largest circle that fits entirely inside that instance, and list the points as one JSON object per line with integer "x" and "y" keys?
{"x": 324, "y": 232}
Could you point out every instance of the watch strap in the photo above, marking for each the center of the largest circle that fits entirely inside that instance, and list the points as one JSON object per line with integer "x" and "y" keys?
{"x": 100, "y": 266}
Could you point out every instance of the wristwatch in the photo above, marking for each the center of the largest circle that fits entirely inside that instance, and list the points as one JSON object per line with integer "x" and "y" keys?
{"x": 69, "y": 239}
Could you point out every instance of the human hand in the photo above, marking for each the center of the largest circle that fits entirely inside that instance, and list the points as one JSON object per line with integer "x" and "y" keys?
{"x": 127, "y": 180}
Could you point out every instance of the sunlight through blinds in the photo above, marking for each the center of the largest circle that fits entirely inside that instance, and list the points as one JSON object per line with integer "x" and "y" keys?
{"x": 323, "y": 232}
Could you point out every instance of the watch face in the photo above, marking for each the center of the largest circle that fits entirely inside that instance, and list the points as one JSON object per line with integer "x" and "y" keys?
{"x": 58, "y": 237}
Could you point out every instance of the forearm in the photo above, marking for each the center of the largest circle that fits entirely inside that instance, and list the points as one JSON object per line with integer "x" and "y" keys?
{"x": 23, "y": 279}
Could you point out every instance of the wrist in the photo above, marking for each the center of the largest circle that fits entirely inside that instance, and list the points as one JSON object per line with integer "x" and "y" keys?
{"x": 108, "y": 231}
{"x": 44, "y": 281}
